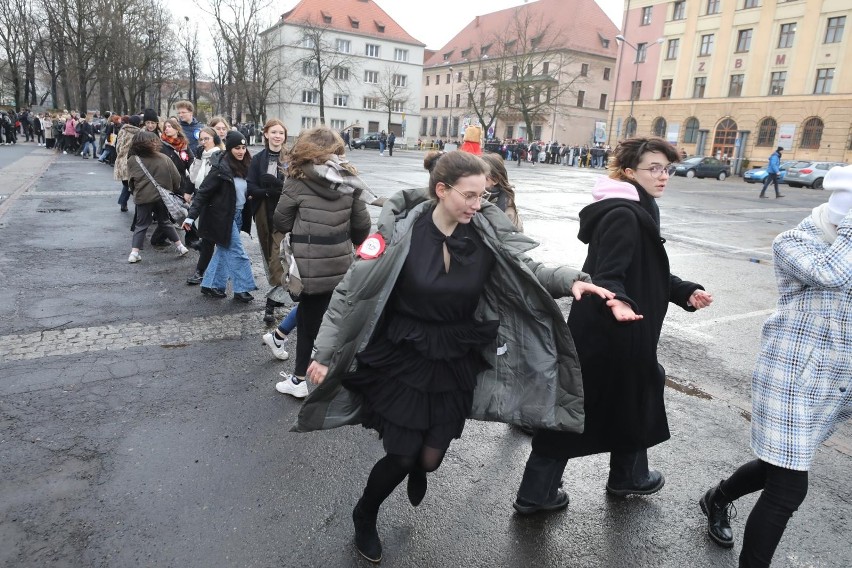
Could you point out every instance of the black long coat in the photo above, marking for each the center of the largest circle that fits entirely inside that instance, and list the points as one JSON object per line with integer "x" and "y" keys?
{"x": 623, "y": 383}
{"x": 214, "y": 203}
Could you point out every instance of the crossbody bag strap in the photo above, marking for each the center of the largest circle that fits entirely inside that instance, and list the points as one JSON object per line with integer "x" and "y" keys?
{"x": 150, "y": 177}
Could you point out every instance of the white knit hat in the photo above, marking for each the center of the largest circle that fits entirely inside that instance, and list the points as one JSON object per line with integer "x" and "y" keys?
{"x": 839, "y": 182}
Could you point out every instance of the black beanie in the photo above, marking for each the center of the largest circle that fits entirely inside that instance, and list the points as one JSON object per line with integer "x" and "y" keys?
{"x": 135, "y": 120}
{"x": 234, "y": 139}
{"x": 150, "y": 114}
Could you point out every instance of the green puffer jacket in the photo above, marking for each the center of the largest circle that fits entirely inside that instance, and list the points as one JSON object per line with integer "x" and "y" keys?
{"x": 535, "y": 377}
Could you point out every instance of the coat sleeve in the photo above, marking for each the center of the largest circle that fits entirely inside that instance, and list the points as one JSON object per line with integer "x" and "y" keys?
{"x": 681, "y": 290}
{"x": 285, "y": 212}
{"x": 814, "y": 263}
{"x": 203, "y": 194}
{"x": 618, "y": 235}
{"x": 556, "y": 280}
{"x": 253, "y": 178}
{"x": 359, "y": 222}
{"x": 176, "y": 180}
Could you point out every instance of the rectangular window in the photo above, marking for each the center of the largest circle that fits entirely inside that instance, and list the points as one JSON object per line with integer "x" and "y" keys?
{"x": 646, "y": 16}
{"x": 481, "y": 100}
{"x": 529, "y": 68}
{"x": 679, "y": 10}
{"x": 458, "y": 100}
{"x": 372, "y": 50}
{"x": 635, "y": 90}
{"x": 337, "y": 124}
{"x": 310, "y": 69}
{"x": 510, "y": 131}
{"x": 750, "y": 4}
{"x": 459, "y": 77}
{"x": 341, "y": 100}
{"x": 581, "y": 95}
{"x": 823, "y": 81}
{"x": 400, "y": 55}
{"x": 666, "y": 89}
{"x": 444, "y": 122}
{"x": 706, "y": 45}
{"x": 449, "y": 78}
{"x": 698, "y": 88}
{"x": 400, "y": 80}
{"x": 310, "y": 97}
{"x": 470, "y": 99}
{"x": 446, "y": 101}
{"x": 343, "y": 46}
{"x": 606, "y": 73}
{"x": 371, "y": 77}
{"x": 788, "y": 33}
{"x": 713, "y": 6}
{"x": 426, "y": 101}
{"x": 584, "y": 69}
{"x": 434, "y": 130}
{"x": 743, "y": 41}
{"x": 436, "y": 101}
{"x": 308, "y": 42}
{"x": 427, "y": 80}
{"x": 672, "y": 49}
{"x": 397, "y": 106}
{"x": 371, "y": 103}
{"x": 341, "y": 73}
{"x": 776, "y": 83}
{"x": 484, "y": 74}
{"x": 834, "y": 29}
{"x": 736, "y": 87}
{"x": 545, "y": 68}
{"x": 514, "y": 71}
{"x": 309, "y": 122}
{"x": 602, "y": 105}
{"x": 641, "y": 52}
{"x": 424, "y": 126}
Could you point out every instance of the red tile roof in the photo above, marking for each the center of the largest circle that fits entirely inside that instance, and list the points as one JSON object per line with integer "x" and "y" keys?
{"x": 582, "y": 23}
{"x": 366, "y": 14}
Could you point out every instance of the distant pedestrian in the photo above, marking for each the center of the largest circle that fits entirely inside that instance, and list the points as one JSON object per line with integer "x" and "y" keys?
{"x": 147, "y": 168}
{"x": 383, "y": 142}
{"x": 802, "y": 382}
{"x": 391, "y": 142}
{"x": 190, "y": 126}
{"x": 772, "y": 171}
{"x": 122, "y": 149}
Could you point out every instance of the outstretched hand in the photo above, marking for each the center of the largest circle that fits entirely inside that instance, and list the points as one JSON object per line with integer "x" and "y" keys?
{"x": 317, "y": 372}
{"x": 622, "y": 311}
{"x": 580, "y": 288}
{"x": 700, "y": 299}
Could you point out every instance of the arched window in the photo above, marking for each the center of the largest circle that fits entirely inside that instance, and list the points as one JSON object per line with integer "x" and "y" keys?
{"x": 630, "y": 127}
{"x": 766, "y": 132}
{"x": 812, "y": 133}
{"x": 659, "y": 127}
{"x": 726, "y": 136}
{"x": 690, "y": 132}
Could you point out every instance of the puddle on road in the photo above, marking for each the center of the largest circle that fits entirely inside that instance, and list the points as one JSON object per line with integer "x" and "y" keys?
{"x": 687, "y": 389}
{"x": 173, "y": 345}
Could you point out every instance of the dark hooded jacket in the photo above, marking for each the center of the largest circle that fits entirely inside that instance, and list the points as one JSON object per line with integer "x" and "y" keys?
{"x": 214, "y": 203}
{"x": 622, "y": 380}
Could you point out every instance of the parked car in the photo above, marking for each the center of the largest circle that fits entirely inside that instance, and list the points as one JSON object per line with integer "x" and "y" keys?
{"x": 757, "y": 175}
{"x": 808, "y": 173}
{"x": 703, "y": 167}
{"x": 370, "y": 140}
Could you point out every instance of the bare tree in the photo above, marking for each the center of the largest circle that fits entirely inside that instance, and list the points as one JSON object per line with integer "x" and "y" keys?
{"x": 12, "y": 45}
{"x": 189, "y": 44}
{"x": 320, "y": 64}
{"x": 481, "y": 83}
{"x": 391, "y": 92}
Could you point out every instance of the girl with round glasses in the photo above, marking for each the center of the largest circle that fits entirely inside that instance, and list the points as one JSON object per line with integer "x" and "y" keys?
{"x": 622, "y": 381}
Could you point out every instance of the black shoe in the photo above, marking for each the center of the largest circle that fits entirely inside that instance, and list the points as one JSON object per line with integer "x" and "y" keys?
{"x": 629, "y": 475}
{"x": 243, "y": 297}
{"x": 269, "y": 311}
{"x": 124, "y": 208}
{"x": 559, "y": 503}
{"x": 416, "y": 486}
{"x": 213, "y": 292}
{"x": 764, "y": 197}
{"x": 366, "y": 535}
{"x": 777, "y": 196}
{"x": 718, "y": 513}
{"x": 195, "y": 279}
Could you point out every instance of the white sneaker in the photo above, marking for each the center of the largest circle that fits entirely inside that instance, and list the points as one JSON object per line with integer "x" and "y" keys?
{"x": 276, "y": 345}
{"x": 134, "y": 257}
{"x": 287, "y": 387}
{"x": 182, "y": 250}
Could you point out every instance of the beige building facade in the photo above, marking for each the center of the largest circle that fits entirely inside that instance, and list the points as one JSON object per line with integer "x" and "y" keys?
{"x": 738, "y": 78}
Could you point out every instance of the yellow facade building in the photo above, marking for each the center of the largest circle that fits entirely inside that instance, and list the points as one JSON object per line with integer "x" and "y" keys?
{"x": 738, "y": 78}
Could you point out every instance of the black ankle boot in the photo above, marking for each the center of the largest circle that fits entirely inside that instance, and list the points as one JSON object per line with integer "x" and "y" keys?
{"x": 540, "y": 487}
{"x": 629, "y": 475}
{"x": 269, "y": 312}
{"x": 416, "y": 486}
{"x": 366, "y": 535}
{"x": 719, "y": 512}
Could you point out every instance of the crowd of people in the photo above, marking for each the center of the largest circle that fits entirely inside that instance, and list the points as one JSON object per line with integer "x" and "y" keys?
{"x": 440, "y": 315}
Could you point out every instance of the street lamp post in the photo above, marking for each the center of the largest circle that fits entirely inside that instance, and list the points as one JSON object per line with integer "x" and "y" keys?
{"x": 452, "y": 93}
{"x": 633, "y": 92}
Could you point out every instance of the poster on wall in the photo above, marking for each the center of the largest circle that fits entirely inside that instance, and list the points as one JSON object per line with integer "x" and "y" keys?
{"x": 785, "y": 135}
{"x": 600, "y": 132}
{"x": 673, "y": 133}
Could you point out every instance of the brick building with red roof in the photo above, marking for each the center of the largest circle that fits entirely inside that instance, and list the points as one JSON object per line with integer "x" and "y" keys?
{"x": 347, "y": 62}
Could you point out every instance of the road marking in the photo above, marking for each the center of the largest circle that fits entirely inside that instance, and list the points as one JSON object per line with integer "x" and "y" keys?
{"x": 24, "y": 171}
{"x": 731, "y": 318}
{"x": 97, "y": 193}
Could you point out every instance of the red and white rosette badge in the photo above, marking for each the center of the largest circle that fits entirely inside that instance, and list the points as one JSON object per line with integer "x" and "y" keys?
{"x": 372, "y": 247}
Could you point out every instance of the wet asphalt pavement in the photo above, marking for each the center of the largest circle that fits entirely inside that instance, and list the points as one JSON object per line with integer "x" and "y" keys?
{"x": 139, "y": 424}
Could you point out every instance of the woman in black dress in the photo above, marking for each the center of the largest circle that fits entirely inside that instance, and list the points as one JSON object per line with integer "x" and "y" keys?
{"x": 416, "y": 377}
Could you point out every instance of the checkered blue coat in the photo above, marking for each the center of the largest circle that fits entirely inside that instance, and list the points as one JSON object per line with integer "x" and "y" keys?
{"x": 802, "y": 384}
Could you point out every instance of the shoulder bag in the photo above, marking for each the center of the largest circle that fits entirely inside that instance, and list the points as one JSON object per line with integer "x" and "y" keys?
{"x": 174, "y": 204}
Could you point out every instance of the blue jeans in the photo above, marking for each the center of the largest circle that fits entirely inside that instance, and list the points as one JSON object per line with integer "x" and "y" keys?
{"x": 88, "y": 146}
{"x": 230, "y": 263}
{"x": 288, "y": 324}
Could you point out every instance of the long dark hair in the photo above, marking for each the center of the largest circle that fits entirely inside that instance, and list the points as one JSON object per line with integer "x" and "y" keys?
{"x": 145, "y": 144}
{"x": 239, "y": 168}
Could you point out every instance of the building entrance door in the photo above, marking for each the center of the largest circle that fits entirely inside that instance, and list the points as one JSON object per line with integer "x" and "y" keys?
{"x": 724, "y": 140}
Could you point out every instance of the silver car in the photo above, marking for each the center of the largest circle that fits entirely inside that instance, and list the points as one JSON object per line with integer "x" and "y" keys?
{"x": 808, "y": 173}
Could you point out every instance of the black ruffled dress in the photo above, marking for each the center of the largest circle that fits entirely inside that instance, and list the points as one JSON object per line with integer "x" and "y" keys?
{"x": 417, "y": 375}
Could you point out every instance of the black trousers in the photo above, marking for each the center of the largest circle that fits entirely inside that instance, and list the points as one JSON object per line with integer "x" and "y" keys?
{"x": 308, "y": 320}
{"x": 784, "y": 490}
{"x": 770, "y": 178}
{"x": 205, "y": 253}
